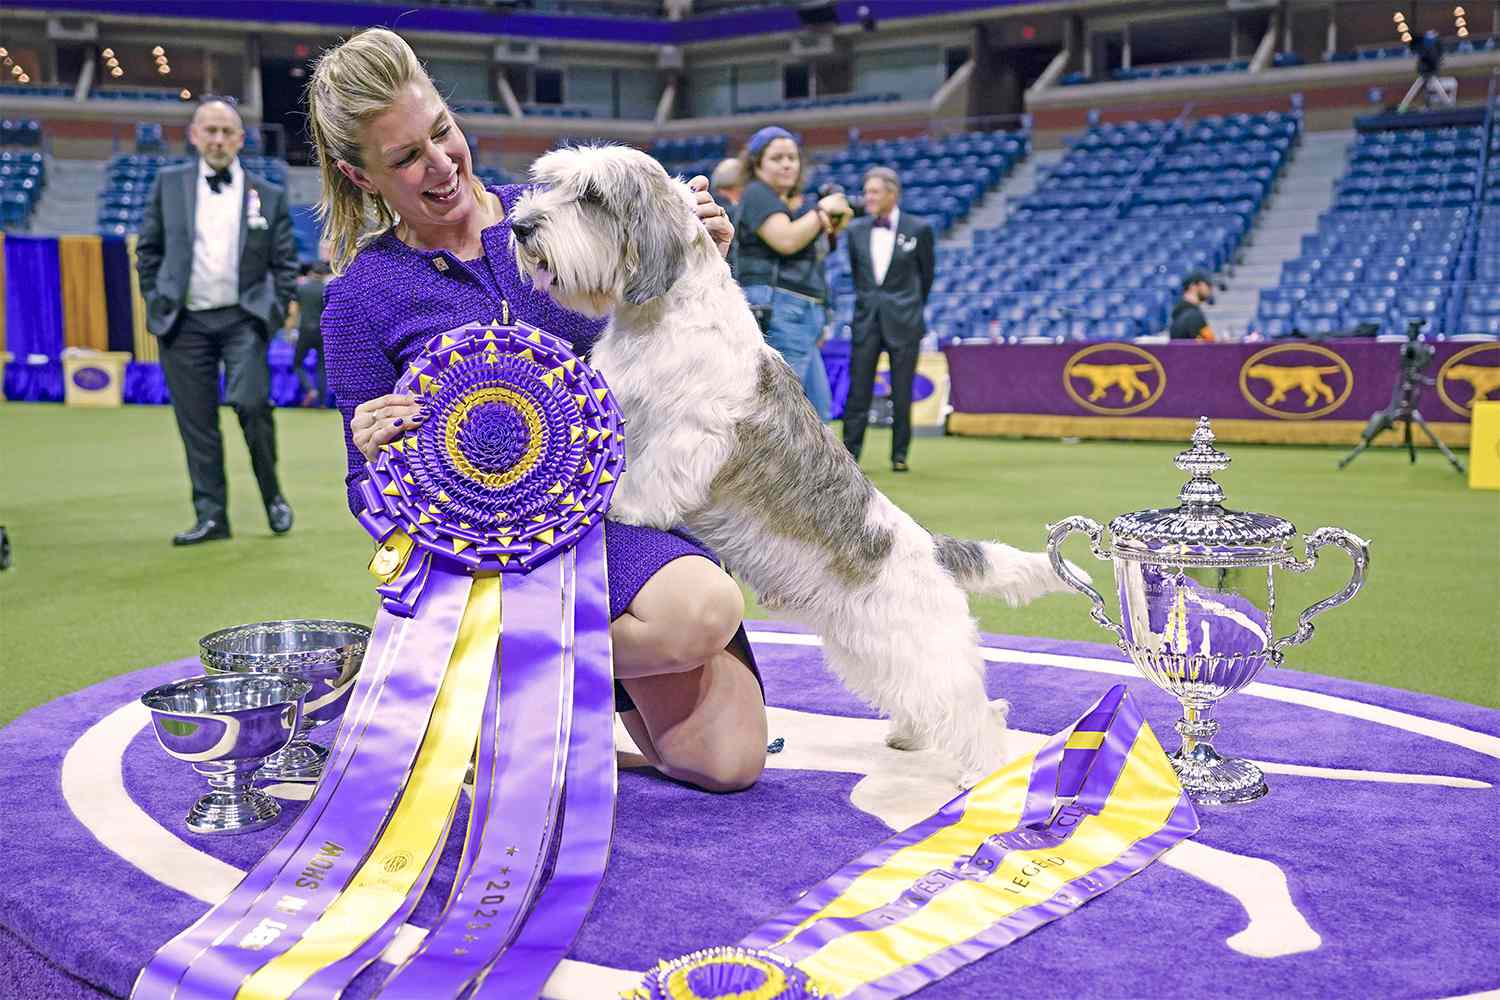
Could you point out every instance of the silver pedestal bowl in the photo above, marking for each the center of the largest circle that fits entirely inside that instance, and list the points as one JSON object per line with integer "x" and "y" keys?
{"x": 225, "y": 726}
{"x": 325, "y": 654}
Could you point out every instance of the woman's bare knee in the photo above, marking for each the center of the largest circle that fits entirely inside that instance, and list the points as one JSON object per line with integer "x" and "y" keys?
{"x": 684, "y": 615}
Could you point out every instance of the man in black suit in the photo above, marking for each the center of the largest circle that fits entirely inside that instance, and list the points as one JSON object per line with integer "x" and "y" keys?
{"x": 218, "y": 266}
{"x": 892, "y": 256}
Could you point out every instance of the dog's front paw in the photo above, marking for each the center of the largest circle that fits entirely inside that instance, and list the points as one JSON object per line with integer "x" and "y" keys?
{"x": 630, "y": 509}
{"x": 904, "y": 737}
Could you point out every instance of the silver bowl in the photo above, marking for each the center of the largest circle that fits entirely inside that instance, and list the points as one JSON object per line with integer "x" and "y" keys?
{"x": 325, "y": 654}
{"x": 225, "y": 726}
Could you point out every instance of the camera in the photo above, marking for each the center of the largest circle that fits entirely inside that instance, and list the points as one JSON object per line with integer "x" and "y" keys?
{"x": 1416, "y": 354}
{"x": 1429, "y": 52}
{"x": 856, "y": 202}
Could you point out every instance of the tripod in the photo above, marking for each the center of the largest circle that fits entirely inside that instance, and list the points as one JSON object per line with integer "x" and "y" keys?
{"x": 1435, "y": 95}
{"x": 1414, "y": 357}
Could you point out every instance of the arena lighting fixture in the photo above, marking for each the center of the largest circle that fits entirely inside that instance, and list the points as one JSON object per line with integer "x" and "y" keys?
{"x": 1406, "y": 37}
{"x": 111, "y": 62}
{"x": 1463, "y": 32}
{"x": 1399, "y": 17}
{"x": 25, "y": 79}
{"x": 117, "y": 71}
{"x": 1460, "y": 22}
{"x": 185, "y": 94}
{"x": 164, "y": 70}
{"x": 158, "y": 51}
{"x": 1458, "y": 12}
{"x": 161, "y": 60}
{"x": 108, "y": 53}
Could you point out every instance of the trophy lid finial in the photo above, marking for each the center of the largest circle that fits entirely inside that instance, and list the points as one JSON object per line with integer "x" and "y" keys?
{"x": 1201, "y": 529}
{"x": 1202, "y": 460}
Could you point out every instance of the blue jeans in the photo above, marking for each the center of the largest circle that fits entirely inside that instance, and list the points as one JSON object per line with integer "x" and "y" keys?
{"x": 796, "y": 324}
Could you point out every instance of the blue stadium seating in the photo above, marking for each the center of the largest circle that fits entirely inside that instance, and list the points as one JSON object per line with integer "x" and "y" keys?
{"x": 1165, "y": 72}
{"x": 1405, "y": 238}
{"x": 691, "y": 154}
{"x": 941, "y": 178}
{"x": 128, "y": 180}
{"x": 815, "y": 103}
{"x": 1099, "y": 251}
{"x": 23, "y": 176}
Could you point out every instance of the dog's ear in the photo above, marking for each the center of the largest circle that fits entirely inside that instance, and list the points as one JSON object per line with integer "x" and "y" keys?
{"x": 657, "y": 233}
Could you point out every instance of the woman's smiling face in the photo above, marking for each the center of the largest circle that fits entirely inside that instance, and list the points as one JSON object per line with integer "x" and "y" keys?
{"x": 417, "y": 159}
{"x": 779, "y": 165}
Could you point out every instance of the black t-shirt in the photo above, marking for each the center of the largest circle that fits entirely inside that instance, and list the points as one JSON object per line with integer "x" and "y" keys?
{"x": 1188, "y": 321}
{"x": 758, "y": 263}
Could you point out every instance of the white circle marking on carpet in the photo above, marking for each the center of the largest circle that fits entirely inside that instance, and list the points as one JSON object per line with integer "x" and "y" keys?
{"x": 899, "y": 788}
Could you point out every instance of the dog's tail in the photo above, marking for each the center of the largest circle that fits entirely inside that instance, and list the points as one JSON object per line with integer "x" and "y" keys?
{"x": 998, "y": 570}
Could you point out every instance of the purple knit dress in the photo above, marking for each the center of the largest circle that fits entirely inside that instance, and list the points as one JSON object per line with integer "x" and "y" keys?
{"x": 393, "y": 297}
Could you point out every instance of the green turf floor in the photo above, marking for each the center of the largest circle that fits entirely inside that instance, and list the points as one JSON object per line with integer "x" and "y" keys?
{"x": 91, "y": 499}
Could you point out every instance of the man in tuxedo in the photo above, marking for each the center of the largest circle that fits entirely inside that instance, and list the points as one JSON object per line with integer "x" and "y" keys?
{"x": 218, "y": 266}
{"x": 892, "y": 257}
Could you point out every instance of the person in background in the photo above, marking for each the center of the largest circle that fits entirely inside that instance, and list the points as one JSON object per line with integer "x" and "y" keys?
{"x": 218, "y": 265}
{"x": 727, "y": 184}
{"x": 782, "y": 238}
{"x": 1188, "y": 321}
{"x": 307, "y": 314}
{"x": 892, "y": 256}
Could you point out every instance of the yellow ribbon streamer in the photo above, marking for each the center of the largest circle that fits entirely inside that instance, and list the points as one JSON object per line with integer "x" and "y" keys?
{"x": 1142, "y": 801}
{"x": 419, "y": 823}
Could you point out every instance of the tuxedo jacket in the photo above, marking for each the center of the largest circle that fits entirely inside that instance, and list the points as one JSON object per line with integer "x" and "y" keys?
{"x": 164, "y": 251}
{"x": 893, "y": 307}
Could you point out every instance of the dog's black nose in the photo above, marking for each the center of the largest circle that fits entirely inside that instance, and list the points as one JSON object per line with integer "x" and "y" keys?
{"x": 523, "y": 228}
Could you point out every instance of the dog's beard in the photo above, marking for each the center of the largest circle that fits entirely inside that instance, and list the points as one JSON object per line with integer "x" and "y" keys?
{"x": 568, "y": 285}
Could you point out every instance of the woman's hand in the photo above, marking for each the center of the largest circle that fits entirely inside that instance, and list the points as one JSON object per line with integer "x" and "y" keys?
{"x": 837, "y": 207}
{"x": 712, "y": 215}
{"x": 381, "y": 420}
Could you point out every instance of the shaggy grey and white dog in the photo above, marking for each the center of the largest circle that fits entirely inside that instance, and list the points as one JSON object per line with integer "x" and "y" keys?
{"x": 720, "y": 440}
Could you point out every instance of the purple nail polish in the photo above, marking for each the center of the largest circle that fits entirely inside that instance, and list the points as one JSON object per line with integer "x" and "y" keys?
{"x": 399, "y": 421}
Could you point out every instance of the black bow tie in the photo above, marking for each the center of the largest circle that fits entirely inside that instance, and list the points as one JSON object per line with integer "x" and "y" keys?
{"x": 220, "y": 179}
{"x": 882, "y": 222}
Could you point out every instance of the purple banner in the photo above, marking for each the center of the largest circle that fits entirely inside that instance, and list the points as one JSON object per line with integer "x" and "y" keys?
{"x": 581, "y": 27}
{"x": 1286, "y": 381}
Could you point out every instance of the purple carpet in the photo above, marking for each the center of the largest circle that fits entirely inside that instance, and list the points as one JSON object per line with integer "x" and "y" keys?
{"x": 1370, "y": 870}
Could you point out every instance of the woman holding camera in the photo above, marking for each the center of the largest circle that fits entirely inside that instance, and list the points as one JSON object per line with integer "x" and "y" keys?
{"x": 783, "y": 238}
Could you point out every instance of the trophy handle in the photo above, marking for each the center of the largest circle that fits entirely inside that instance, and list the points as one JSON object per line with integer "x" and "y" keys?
{"x": 1359, "y": 553}
{"x": 1056, "y": 533}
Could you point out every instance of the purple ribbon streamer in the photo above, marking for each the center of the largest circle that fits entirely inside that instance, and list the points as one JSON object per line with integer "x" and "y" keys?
{"x": 164, "y": 971}
{"x": 534, "y": 691}
{"x": 330, "y": 981}
{"x": 587, "y": 826}
{"x": 355, "y": 807}
{"x": 1181, "y": 824}
{"x": 1090, "y": 774}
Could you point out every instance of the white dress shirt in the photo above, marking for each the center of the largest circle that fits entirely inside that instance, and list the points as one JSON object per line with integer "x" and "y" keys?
{"x": 883, "y": 245}
{"x": 215, "y": 281}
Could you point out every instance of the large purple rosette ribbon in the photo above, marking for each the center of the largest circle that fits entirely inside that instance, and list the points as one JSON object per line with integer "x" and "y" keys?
{"x": 1094, "y": 805}
{"x": 489, "y": 517}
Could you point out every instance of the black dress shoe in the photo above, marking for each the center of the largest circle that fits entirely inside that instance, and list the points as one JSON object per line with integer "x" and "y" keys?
{"x": 279, "y": 515}
{"x": 899, "y": 465}
{"x": 206, "y": 530}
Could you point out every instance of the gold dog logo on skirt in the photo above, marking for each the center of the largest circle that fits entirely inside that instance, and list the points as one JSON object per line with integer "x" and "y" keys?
{"x": 393, "y": 863}
{"x": 1305, "y": 382}
{"x": 1114, "y": 379}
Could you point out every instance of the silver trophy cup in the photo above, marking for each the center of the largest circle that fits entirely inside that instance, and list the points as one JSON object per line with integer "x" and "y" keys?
{"x": 225, "y": 726}
{"x": 325, "y": 654}
{"x": 1197, "y": 587}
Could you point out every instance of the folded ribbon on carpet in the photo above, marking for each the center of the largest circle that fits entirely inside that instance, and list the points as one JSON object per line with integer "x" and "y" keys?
{"x": 1034, "y": 841}
{"x": 489, "y": 515}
